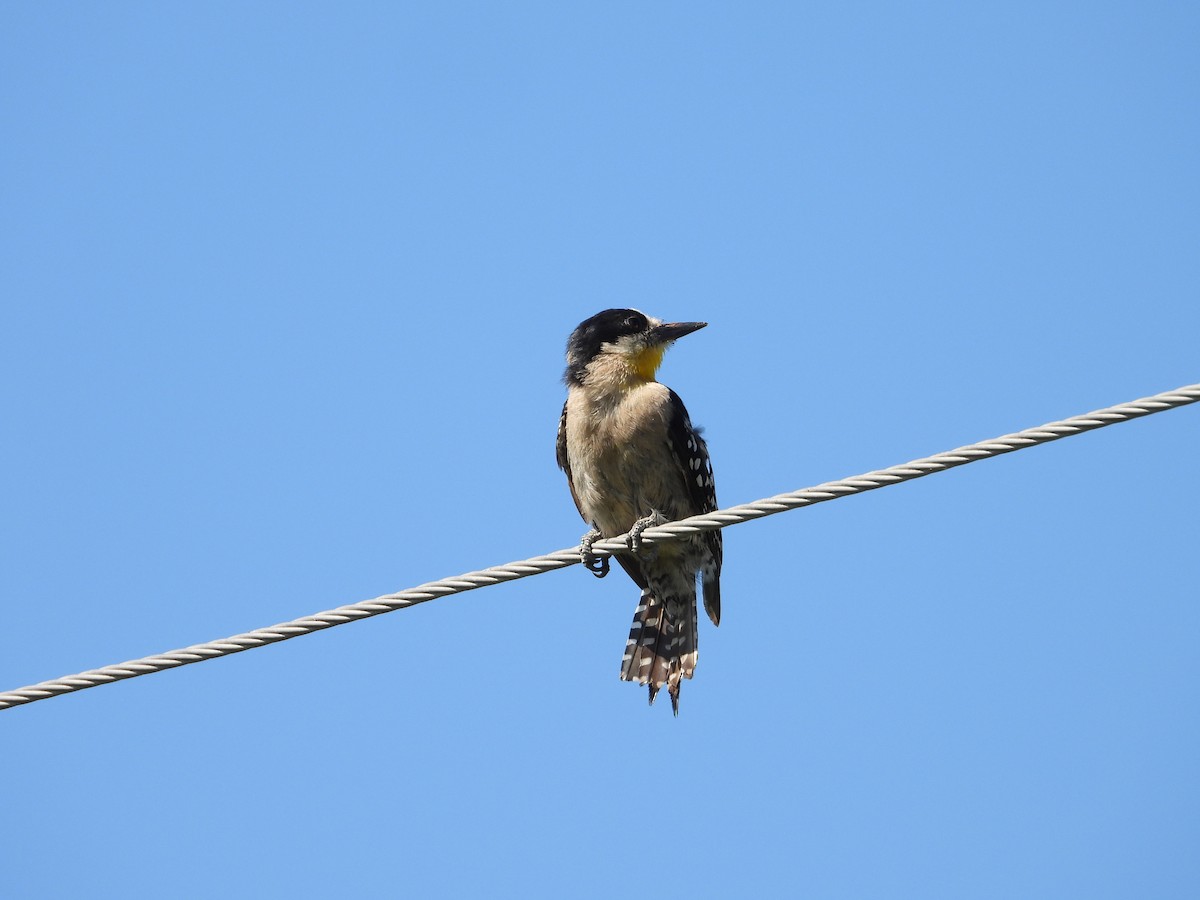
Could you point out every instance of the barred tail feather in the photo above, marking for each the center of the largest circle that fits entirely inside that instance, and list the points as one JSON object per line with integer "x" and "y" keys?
{"x": 641, "y": 663}
{"x": 661, "y": 649}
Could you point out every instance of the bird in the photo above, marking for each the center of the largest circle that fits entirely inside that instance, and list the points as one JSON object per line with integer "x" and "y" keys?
{"x": 633, "y": 460}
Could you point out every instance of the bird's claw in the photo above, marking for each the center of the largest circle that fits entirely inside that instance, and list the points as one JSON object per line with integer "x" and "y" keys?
{"x": 598, "y": 566}
{"x": 635, "y": 533}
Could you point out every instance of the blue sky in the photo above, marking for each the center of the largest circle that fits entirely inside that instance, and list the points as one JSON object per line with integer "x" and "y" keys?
{"x": 286, "y": 288}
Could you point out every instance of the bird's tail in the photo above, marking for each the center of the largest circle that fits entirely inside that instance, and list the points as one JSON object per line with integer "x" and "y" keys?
{"x": 662, "y": 642}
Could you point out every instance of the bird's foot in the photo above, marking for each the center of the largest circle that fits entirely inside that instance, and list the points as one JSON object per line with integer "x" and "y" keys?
{"x": 598, "y": 566}
{"x": 635, "y": 533}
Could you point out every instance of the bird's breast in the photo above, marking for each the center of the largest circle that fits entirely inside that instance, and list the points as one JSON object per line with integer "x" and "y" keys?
{"x": 619, "y": 452}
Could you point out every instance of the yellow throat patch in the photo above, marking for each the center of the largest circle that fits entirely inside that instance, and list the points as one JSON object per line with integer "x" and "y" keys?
{"x": 646, "y": 363}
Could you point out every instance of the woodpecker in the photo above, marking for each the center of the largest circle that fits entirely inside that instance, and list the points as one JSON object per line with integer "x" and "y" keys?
{"x": 633, "y": 461}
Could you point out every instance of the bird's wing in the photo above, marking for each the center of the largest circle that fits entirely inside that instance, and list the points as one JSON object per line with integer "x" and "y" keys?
{"x": 564, "y": 462}
{"x": 691, "y": 452}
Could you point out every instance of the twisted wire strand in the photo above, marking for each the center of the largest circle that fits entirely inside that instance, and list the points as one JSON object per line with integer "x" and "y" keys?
{"x": 830, "y": 490}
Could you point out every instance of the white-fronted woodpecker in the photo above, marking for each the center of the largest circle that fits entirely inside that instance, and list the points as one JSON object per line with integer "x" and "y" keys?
{"x": 633, "y": 460}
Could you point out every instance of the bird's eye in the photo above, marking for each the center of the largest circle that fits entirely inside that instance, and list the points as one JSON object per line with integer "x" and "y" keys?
{"x": 636, "y": 323}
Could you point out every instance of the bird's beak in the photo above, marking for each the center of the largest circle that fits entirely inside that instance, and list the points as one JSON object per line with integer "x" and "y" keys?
{"x": 671, "y": 331}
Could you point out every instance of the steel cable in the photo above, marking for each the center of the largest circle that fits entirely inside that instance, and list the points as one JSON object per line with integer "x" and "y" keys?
{"x": 830, "y": 490}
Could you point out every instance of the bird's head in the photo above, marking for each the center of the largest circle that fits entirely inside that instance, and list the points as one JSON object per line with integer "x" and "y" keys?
{"x": 622, "y": 345}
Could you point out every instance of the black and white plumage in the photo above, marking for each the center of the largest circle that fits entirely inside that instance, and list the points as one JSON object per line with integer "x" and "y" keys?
{"x": 632, "y": 457}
